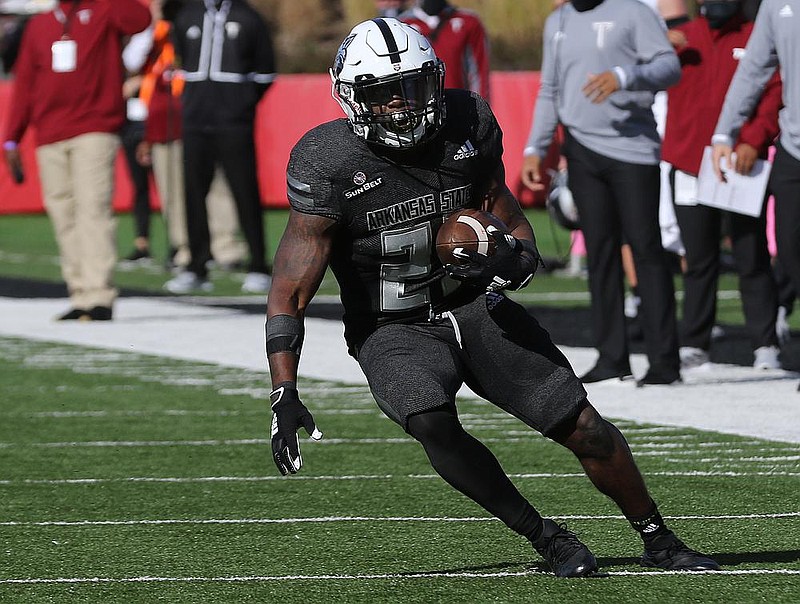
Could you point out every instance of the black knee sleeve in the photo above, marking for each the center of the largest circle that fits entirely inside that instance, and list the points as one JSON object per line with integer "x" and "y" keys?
{"x": 438, "y": 428}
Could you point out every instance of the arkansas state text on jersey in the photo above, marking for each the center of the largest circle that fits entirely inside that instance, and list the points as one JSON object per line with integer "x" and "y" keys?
{"x": 390, "y": 204}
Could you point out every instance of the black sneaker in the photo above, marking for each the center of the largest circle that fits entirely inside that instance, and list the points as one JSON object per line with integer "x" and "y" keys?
{"x": 670, "y": 553}
{"x": 99, "y": 313}
{"x": 563, "y": 551}
{"x": 74, "y": 314}
{"x": 659, "y": 378}
{"x": 600, "y": 373}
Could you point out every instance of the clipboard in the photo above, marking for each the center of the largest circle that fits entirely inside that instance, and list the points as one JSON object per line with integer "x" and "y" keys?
{"x": 742, "y": 193}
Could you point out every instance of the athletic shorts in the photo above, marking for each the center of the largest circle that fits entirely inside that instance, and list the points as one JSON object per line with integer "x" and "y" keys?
{"x": 492, "y": 344}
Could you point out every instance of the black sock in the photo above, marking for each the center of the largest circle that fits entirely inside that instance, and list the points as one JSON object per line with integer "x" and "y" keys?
{"x": 650, "y": 526}
{"x": 468, "y": 466}
{"x": 531, "y": 525}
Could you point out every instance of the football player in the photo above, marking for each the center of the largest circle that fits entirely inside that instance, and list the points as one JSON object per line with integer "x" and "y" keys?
{"x": 368, "y": 194}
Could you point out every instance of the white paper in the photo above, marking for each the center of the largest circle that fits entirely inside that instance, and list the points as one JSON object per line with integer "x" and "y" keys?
{"x": 742, "y": 193}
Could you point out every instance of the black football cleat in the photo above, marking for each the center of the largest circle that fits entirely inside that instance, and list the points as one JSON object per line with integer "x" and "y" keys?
{"x": 563, "y": 551}
{"x": 670, "y": 553}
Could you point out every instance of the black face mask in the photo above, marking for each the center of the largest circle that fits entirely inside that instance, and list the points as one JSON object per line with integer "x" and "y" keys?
{"x": 433, "y": 7}
{"x": 583, "y": 5}
{"x": 719, "y": 12}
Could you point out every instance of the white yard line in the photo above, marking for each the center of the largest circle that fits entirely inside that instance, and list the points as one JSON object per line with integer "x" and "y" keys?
{"x": 359, "y": 477}
{"x": 728, "y": 399}
{"x": 383, "y": 576}
{"x": 330, "y": 519}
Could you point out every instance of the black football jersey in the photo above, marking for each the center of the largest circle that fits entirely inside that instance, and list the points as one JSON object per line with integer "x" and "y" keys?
{"x": 389, "y": 205}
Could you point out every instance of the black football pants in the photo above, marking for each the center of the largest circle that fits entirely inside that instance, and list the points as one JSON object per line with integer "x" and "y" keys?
{"x": 619, "y": 200}
{"x": 701, "y": 230}
{"x": 234, "y": 150}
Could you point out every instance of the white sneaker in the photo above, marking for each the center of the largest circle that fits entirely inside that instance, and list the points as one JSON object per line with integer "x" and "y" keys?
{"x": 632, "y": 304}
{"x": 692, "y": 357}
{"x": 186, "y": 283}
{"x": 782, "y": 329}
{"x": 256, "y": 283}
{"x": 767, "y": 358}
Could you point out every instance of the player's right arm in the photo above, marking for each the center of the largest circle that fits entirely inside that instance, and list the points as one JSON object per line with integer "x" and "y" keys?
{"x": 299, "y": 266}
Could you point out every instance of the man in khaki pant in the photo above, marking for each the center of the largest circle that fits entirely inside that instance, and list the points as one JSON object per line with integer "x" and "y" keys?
{"x": 67, "y": 85}
{"x": 77, "y": 178}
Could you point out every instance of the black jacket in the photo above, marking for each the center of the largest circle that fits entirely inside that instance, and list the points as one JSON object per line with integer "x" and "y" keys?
{"x": 228, "y": 62}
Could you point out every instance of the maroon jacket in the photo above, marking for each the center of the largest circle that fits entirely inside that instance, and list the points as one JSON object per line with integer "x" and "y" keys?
{"x": 461, "y": 43}
{"x": 708, "y": 63}
{"x": 89, "y": 99}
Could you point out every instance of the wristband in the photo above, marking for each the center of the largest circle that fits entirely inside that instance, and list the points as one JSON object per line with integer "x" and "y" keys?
{"x": 276, "y": 396}
{"x": 10, "y": 146}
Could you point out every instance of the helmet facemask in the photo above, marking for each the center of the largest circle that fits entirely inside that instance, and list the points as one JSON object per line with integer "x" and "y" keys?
{"x": 392, "y": 98}
{"x": 396, "y": 111}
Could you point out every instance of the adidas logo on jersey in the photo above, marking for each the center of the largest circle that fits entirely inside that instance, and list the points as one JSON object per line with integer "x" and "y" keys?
{"x": 466, "y": 150}
{"x": 786, "y": 11}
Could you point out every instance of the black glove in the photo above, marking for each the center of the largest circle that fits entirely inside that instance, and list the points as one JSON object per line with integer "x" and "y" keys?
{"x": 512, "y": 265}
{"x": 288, "y": 414}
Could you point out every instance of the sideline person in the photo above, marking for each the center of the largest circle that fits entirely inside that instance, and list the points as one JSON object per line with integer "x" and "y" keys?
{"x": 599, "y": 82}
{"x": 225, "y": 50}
{"x": 709, "y": 57}
{"x": 775, "y": 41}
{"x": 68, "y": 86}
{"x": 459, "y": 39}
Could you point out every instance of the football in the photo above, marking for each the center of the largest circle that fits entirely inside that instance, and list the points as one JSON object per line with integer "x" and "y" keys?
{"x": 466, "y": 229}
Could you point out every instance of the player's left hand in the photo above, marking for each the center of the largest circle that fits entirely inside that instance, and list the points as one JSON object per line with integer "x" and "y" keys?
{"x": 511, "y": 266}
{"x": 599, "y": 87}
{"x": 288, "y": 415}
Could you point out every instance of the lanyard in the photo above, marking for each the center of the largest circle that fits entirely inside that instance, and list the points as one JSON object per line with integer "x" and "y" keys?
{"x": 65, "y": 19}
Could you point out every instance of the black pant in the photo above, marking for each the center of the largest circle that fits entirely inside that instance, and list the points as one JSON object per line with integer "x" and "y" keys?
{"x": 786, "y": 293}
{"x": 701, "y": 230}
{"x": 133, "y": 134}
{"x": 234, "y": 150}
{"x": 784, "y": 183}
{"x": 616, "y": 199}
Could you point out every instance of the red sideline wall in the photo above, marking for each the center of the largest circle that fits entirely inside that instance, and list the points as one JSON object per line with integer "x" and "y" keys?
{"x": 294, "y": 104}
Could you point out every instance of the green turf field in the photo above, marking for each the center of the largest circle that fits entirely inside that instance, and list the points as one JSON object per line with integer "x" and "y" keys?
{"x": 132, "y": 478}
{"x": 28, "y": 250}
